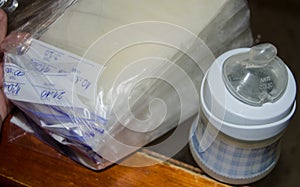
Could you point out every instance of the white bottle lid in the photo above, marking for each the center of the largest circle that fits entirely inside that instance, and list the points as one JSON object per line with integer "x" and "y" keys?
{"x": 239, "y": 119}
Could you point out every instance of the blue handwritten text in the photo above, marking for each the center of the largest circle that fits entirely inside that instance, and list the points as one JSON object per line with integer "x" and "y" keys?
{"x": 52, "y": 94}
{"x": 82, "y": 82}
{"x": 12, "y": 88}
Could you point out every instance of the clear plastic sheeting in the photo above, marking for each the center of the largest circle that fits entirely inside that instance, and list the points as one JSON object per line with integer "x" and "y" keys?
{"x": 33, "y": 16}
{"x": 100, "y": 79}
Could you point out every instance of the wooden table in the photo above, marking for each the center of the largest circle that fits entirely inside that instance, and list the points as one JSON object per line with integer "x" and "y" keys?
{"x": 30, "y": 162}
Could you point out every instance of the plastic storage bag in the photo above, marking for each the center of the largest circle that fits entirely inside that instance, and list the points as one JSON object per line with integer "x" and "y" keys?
{"x": 98, "y": 99}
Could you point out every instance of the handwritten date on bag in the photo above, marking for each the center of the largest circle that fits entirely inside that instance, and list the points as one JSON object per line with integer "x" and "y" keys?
{"x": 52, "y": 95}
{"x": 12, "y": 88}
{"x": 14, "y": 72}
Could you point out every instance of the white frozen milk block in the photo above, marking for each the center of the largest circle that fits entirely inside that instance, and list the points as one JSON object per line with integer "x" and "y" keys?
{"x": 89, "y": 21}
{"x": 119, "y": 33}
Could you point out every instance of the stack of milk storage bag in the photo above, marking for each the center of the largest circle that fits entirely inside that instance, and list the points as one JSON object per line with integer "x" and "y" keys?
{"x": 101, "y": 78}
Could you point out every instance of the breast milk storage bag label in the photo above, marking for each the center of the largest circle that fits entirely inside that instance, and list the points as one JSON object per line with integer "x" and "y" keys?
{"x": 52, "y": 73}
{"x": 47, "y": 82}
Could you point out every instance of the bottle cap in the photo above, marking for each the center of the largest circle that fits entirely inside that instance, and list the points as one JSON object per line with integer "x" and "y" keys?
{"x": 256, "y": 77}
{"x": 243, "y": 107}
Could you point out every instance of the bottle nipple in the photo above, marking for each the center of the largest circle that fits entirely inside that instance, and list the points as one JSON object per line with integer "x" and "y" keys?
{"x": 262, "y": 54}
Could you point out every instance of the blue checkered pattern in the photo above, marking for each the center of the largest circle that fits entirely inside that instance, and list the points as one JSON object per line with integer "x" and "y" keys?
{"x": 233, "y": 161}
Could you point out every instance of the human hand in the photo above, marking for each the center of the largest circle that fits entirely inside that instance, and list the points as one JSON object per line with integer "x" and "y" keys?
{"x": 5, "y": 105}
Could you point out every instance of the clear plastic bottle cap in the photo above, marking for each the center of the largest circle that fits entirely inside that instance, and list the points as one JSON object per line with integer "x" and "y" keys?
{"x": 256, "y": 77}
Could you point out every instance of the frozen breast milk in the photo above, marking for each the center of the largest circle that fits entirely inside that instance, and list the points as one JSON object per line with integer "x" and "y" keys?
{"x": 88, "y": 20}
{"x": 125, "y": 45}
{"x": 85, "y": 29}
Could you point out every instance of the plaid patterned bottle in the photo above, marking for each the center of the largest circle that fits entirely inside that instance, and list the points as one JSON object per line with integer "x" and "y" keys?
{"x": 231, "y": 160}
